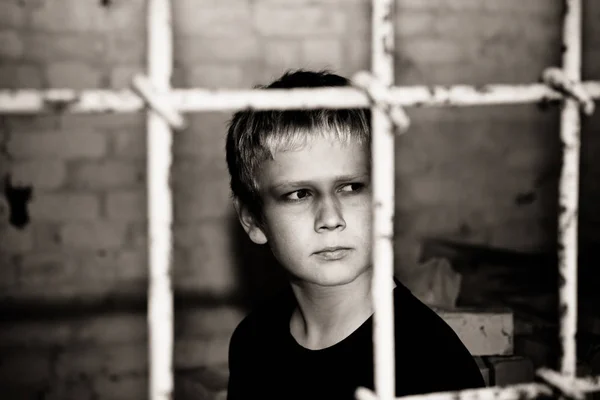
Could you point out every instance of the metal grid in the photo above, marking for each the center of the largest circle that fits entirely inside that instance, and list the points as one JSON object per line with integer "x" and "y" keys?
{"x": 377, "y": 91}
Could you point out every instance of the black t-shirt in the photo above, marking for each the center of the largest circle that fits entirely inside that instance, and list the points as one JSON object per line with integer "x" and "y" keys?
{"x": 266, "y": 362}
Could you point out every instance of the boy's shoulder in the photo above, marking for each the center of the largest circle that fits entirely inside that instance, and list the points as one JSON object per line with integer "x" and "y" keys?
{"x": 265, "y": 321}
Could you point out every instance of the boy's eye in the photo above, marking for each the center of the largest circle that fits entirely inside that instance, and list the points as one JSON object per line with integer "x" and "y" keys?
{"x": 352, "y": 187}
{"x": 298, "y": 195}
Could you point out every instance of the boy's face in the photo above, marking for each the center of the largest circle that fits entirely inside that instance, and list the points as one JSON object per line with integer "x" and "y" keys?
{"x": 317, "y": 211}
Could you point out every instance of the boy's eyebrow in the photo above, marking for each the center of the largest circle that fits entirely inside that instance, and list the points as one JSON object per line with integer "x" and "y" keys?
{"x": 339, "y": 178}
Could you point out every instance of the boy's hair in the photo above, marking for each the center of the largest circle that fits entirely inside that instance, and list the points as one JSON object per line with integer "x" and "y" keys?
{"x": 255, "y": 136}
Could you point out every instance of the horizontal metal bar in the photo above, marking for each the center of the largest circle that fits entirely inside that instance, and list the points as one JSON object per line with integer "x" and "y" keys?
{"x": 194, "y": 100}
{"x": 513, "y": 392}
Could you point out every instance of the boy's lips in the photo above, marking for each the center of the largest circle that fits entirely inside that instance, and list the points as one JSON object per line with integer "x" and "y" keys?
{"x": 332, "y": 253}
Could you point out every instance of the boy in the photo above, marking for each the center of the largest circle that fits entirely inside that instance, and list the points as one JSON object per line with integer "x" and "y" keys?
{"x": 301, "y": 184}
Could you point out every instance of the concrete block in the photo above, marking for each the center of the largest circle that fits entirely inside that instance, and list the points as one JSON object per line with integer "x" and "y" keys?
{"x": 126, "y": 205}
{"x": 12, "y": 14}
{"x": 216, "y": 76}
{"x": 298, "y": 21}
{"x": 48, "y": 174}
{"x": 61, "y": 207}
{"x": 57, "y": 145}
{"x": 93, "y": 235}
{"x": 216, "y": 50}
{"x": 217, "y": 20}
{"x": 39, "y": 269}
{"x": 483, "y": 332}
{"x": 282, "y": 53}
{"x": 74, "y": 75}
{"x": 210, "y": 199}
{"x": 195, "y": 353}
{"x": 21, "y": 76}
{"x": 322, "y": 54}
{"x": 107, "y": 174}
{"x": 11, "y": 44}
{"x": 129, "y": 143}
{"x": 14, "y": 240}
{"x": 86, "y": 47}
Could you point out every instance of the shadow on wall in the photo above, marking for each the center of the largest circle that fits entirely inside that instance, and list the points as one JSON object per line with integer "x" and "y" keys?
{"x": 259, "y": 273}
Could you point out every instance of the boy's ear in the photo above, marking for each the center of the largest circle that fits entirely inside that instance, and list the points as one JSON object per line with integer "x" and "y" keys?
{"x": 250, "y": 223}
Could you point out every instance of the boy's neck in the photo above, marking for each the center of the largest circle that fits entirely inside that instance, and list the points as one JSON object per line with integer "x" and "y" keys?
{"x": 327, "y": 315}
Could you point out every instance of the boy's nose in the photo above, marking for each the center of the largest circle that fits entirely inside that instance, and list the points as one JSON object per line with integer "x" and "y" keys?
{"x": 329, "y": 216}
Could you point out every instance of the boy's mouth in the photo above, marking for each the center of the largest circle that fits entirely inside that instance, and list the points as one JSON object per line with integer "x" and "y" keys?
{"x": 332, "y": 253}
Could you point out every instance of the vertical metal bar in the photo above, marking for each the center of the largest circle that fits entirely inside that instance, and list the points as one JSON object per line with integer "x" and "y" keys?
{"x": 160, "y": 215}
{"x": 569, "y": 191}
{"x": 382, "y": 151}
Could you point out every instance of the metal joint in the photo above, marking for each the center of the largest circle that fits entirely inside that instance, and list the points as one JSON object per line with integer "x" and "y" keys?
{"x": 148, "y": 93}
{"x": 380, "y": 97}
{"x": 557, "y": 79}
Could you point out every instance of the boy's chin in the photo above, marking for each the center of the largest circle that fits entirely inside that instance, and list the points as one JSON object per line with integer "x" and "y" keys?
{"x": 332, "y": 278}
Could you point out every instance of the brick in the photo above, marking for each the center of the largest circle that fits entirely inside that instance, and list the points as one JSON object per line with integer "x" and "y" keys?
{"x": 201, "y": 353}
{"x": 107, "y": 174}
{"x": 47, "y": 174}
{"x": 46, "y": 268}
{"x": 121, "y": 388}
{"x": 46, "y": 236}
{"x": 12, "y": 14}
{"x": 35, "y": 334}
{"x": 414, "y": 23}
{"x": 358, "y": 18}
{"x": 26, "y": 367}
{"x": 58, "y": 145}
{"x": 14, "y": 240}
{"x": 484, "y": 333}
{"x": 192, "y": 18}
{"x": 132, "y": 265}
{"x": 211, "y": 267}
{"x": 130, "y": 143}
{"x": 126, "y": 206}
{"x": 77, "y": 16}
{"x": 357, "y": 55}
{"x": 282, "y": 53}
{"x": 322, "y": 53}
{"x": 20, "y": 76}
{"x": 434, "y": 50}
{"x": 216, "y": 50}
{"x": 122, "y": 76}
{"x": 9, "y": 271}
{"x": 62, "y": 207}
{"x": 93, "y": 236}
{"x": 61, "y": 47}
{"x": 11, "y": 44}
{"x": 126, "y": 49}
{"x": 208, "y": 322}
{"x": 96, "y": 360}
{"x": 216, "y": 76}
{"x": 31, "y": 122}
{"x": 117, "y": 329}
{"x": 290, "y": 21}
{"x": 103, "y": 122}
{"x": 73, "y": 75}
{"x": 209, "y": 199}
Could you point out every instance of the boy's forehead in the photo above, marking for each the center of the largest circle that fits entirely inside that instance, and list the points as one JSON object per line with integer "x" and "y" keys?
{"x": 320, "y": 159}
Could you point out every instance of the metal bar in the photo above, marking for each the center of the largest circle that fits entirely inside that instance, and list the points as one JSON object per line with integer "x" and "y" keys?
{"x": 382, "y": 150}
{"x": 160, "y": 206}
{"x": 513, "y": 392}
{"x": 196, "y": 100}
{"x": 569, "y": 192}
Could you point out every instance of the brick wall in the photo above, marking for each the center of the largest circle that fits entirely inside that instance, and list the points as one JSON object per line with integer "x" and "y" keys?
{"x": 72, "y": 212}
